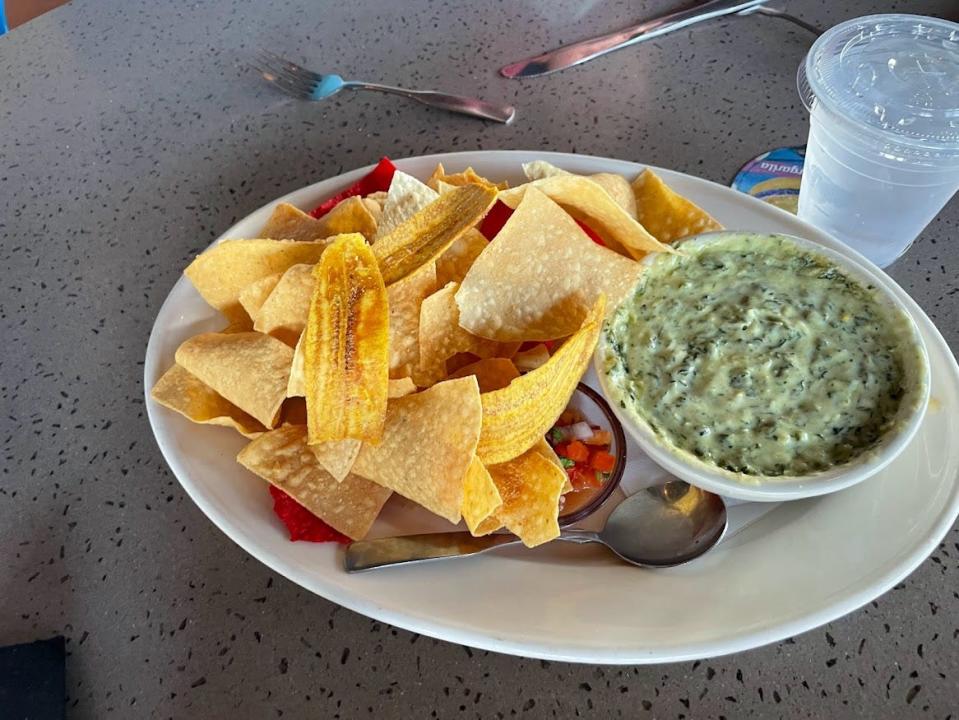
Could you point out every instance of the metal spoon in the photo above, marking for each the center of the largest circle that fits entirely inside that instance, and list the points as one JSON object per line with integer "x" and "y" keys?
{"x": 659, "y": 527}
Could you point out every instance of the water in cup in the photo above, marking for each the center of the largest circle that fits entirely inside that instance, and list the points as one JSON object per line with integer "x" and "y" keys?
{"x": 882, "y": 157}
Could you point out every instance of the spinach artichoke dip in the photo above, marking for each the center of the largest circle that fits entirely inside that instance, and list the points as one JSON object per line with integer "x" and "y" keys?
{"x": 760, "y": 357}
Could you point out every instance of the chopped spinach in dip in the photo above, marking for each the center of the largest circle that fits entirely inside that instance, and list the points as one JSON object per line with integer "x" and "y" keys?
{"x": 759, "y": 356}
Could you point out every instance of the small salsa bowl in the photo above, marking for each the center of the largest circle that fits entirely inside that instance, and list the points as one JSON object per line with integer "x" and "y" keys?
{"x": 596, "y": 410}
{"x": 763, "y": 488}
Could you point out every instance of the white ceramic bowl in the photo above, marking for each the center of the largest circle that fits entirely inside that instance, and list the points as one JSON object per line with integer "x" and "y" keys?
{"x": 688, "y": 467}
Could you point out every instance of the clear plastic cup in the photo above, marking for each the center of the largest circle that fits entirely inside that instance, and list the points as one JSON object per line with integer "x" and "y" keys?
{"x": 882, "y": 157}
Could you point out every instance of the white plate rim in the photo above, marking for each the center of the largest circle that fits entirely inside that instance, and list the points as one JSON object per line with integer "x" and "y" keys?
{"x": 905, "y": 563}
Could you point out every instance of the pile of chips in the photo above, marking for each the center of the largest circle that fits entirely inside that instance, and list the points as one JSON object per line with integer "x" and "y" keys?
{"x": 383, "y": 344}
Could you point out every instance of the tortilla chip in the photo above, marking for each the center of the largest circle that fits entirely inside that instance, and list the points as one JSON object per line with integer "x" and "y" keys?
{"x": 428, "y": 445}
{"x": 255, "y": 294}
{"x": 375, "y": 210}
{"x": 296, "y": 385}
{"x": 407, "y": 196}
{"x": 615, "y": 185}
{"x": 543, "y": 447}
{"x": 352, "y": 215}
{"x": 490, "y": 373}
{"x": 283, "y": 314}
{"x": 182, "y": 392}
{"x": 665, "y": 213}
{"x": 346, "y": 345}
{"x": 426, "y": 235}
{"x": 337, "y": 456}
{"x": 441, "y": 337}
{"x": 249, "y": 369}
{"x": 378, "y": 197}
{"x": 283, "y": 458}
{"x": 290, "y": 223}
{"x": 618, "y": 188}
{"x": 237, "y": 325}
{"x": 535, "y": 357}
{"x": 480, "y": 495}
{"x": 518, "y": 416}
{"x": 539, "y": 277}
{"x": 400, "y": 387}
{"x": 530, "y": 486}
{"x": 293, "y": 411}
{"x": 221, "y": 273}
{"x": 405, "y": 299}
{"x": 453, "y": 265}
{"x": 467, "y": 177}
{"x": 587, "y": 201}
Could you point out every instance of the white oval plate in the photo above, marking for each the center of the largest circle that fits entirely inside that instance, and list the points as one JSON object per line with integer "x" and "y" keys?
{"x": 802, "y": 565}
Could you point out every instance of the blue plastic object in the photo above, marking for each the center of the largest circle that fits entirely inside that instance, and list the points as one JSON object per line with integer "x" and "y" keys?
{"x": 3, "y": 19}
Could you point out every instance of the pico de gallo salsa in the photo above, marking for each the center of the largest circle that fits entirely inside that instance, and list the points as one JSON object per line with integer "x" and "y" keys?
{"x": 584, "y": 451}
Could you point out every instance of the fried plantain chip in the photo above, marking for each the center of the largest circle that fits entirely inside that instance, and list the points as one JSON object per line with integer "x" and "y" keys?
{"x": 182, "y": 392}
{"x": 283, "y": 313}
{"x": 221, "y": 273}
{"x": 346, "y": 345}
{"x": 428, "y": 233}
{"x": 283, "y": 458}
{"x": 428, "y": 444}
{"x": 519, "y": 415}
{"x": 540, "y": 275}
{"x": 249, "y": 369}
{"x": 667, "y": 214}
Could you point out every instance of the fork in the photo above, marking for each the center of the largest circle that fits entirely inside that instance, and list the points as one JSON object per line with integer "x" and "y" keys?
{"x": 303, "y": 84}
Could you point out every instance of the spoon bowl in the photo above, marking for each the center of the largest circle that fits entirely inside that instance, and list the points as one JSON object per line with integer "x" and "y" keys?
{"x": 665, "y": 525}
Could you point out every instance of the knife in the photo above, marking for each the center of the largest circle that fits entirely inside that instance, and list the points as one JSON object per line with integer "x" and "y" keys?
{"x": 585, "y": 50}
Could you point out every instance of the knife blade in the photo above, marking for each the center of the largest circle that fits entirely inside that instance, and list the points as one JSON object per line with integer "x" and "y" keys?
{"x": 585, "y": 50}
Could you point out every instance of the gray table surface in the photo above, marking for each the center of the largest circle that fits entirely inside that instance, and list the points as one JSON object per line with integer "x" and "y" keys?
{"x": 132, "y": 135}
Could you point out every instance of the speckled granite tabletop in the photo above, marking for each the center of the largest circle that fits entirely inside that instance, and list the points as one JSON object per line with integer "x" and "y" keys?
{"x": 131, "y": 136}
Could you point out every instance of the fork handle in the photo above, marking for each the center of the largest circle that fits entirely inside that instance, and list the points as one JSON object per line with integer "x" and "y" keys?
{"x": 454, "y": 103}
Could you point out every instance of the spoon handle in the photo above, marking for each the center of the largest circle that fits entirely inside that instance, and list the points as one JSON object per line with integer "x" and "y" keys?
{"x": 370, "y": 554}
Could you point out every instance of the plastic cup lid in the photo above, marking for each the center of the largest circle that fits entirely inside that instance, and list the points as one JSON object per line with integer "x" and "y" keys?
{"x": 892, "y": 75}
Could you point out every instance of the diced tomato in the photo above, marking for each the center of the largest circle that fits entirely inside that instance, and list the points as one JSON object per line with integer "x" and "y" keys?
{"x": 576, "y": 451}
{"x": 583, "y": 478}
{"x": 495, "y": 219}
{"x": 300, "y": 522}
{"x": 600, "y": 437}
{"x": 379, "y": 178}
{"x": 602, "y": 461}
